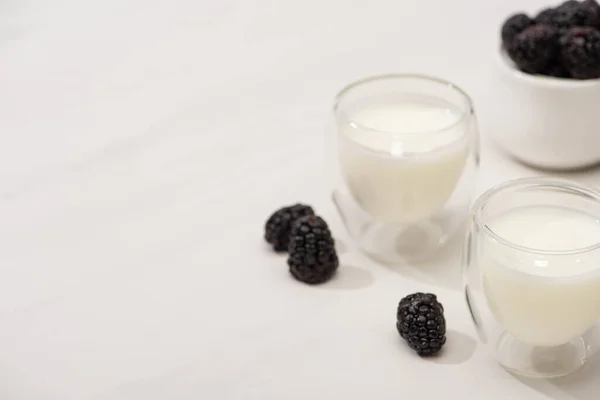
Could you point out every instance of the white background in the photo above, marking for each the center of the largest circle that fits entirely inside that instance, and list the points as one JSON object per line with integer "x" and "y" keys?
{"x": 143, "y": 144}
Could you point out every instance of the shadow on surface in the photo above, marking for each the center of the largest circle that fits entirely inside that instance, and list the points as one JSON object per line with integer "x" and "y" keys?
{"x": 583, "y": 384}
{"x": 340, "y": 247}
{"x": 348, "y": 277}
{"x": 443, "y": 270}
{"x": 459, "y": 348}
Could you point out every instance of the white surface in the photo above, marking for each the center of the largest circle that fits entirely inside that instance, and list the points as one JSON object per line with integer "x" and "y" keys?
{"x": 142, "y": 146}
{"x": 535, "y": 296}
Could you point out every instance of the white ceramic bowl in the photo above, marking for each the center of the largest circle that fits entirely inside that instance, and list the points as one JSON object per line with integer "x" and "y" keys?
{"x": 545, "y": 122}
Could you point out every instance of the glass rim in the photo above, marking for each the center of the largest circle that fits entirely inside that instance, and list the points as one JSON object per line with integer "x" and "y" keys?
{"x": 465, "y": 112}
{"x": 555, "y": 184}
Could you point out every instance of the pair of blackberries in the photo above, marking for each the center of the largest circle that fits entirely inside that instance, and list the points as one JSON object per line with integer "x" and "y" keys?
{"x": 561, "y": 42}
{"x": 306, "y": 236}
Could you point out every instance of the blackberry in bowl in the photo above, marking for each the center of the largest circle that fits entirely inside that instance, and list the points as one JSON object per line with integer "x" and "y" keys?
{"x": 559, "y": 42}
{"x": 580, "y": 51}
{"x": 535, "y": 49}
{"x": 515, "y": 25}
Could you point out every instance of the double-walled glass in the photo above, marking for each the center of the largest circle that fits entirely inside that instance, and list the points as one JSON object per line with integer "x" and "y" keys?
{"x": 404, "y": 153}
{"x": 532, "y": 274}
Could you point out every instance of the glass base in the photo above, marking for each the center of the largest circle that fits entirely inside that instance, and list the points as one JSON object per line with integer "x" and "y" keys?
{"x": 530, "y": 361}
{"x": 393, "y": 244}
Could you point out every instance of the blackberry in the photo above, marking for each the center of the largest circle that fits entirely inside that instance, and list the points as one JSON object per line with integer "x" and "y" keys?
{"x": 534, "y": 49}
{"x": 545, "y": 16}
{"x": 420, "y": 321}
{"x": 592, "y": 13}
{"x": 279, "y": 224}
{"x": 313, "y": 258}
{"x": 580, "y": 49}
{"x": 557, "y": 70}
{"x": 513, "y": 26}
{"x": 565, "y": 16}
{"x": 569, "y": 4}
{"x": 571, "y": 14}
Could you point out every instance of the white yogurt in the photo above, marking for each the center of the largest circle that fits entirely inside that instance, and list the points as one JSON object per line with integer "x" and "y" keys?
{"x": 544, "y": 300}
{"x": 402, "y": 157}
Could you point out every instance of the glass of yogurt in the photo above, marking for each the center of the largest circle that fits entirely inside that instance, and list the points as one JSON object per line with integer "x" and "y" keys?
{"x": 405, "y": 151}
{"x": 532, "y": 274}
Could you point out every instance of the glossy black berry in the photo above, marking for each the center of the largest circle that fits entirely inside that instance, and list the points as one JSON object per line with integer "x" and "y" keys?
{"x": 580, "y": 49}
{"x": 513, "y": 26}
{"x": 279, "y": 225}
{"x": 312, "y": 258}
{"x": 420, "y": 321}
{"x": 534, "y": 49}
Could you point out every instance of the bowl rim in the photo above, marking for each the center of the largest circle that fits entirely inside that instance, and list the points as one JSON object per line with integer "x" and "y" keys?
{"x": 507, "y": 65}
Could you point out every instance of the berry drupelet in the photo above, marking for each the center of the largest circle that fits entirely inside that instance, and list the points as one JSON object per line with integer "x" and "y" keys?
{"x": 312, "y": 258}
{"x": 535, "y": 49}
{"x": 420, "y": 321}
{"x": 580, "y": 49}
{"x": 279, "y": 225}
{"x": 513, "y": 26}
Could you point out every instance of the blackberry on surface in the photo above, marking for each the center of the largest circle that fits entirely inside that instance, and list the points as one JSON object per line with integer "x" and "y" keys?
{"x": 534, "y": 49}
{"x": 513, "y": 26}
{"x": 312, "y": 258}
{"x": 420, "y": 321}
{"x": 580, "y": 49}
{"x": 279, "y": 225}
